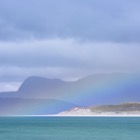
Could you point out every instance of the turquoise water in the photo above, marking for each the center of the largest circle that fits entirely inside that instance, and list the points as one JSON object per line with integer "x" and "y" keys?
{"x": 69, "y": 128}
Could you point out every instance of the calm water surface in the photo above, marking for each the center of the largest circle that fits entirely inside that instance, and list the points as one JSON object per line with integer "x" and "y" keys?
{"x": 69, "y": 128}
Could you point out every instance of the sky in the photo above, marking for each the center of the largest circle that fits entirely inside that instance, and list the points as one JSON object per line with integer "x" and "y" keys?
{"x": 67, "y": 39}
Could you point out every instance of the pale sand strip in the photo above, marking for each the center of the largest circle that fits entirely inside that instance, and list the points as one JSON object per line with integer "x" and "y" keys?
{"x": 57, "y": 115}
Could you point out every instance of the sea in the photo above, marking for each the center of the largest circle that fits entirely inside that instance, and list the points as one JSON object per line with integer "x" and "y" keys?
{"x": 69, "y": 128}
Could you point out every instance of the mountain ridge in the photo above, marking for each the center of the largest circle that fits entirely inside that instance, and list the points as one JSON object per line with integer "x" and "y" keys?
{"x": 100, "y": 89}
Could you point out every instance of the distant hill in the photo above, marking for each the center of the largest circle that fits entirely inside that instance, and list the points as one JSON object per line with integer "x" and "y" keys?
{"x": 21, "y": 106}
{"x": 117, "y": 108}
{"x": 92, "y": 90}
{"x": 120, "y": 109}
{"x": 40, "y": 84}
{"x": 97, "y": 89}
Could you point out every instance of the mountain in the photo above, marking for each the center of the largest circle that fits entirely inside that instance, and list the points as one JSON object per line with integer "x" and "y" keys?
{"x": 120, "y": 109}
{"x": 40, "y": 84}
{"x": 97, "y": 89}
{"x": 39, "y": 87}
{"x": 22, "y": 106}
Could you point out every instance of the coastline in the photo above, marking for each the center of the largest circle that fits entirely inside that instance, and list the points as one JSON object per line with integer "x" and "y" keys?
{"x": 136, "y": 115}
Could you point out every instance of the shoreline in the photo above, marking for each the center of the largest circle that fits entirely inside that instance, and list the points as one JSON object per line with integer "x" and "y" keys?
{"x": 71, "y": 116}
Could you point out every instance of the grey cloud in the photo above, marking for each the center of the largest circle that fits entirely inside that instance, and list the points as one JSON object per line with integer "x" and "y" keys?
{"x": 66, "y": 58}
{"x": 39, "y": 54}
{"x": 19, "y": 74}
{"x": 89, "y": 20}
{"x": 12, "y": 86}
{"x": 68, "y": 39}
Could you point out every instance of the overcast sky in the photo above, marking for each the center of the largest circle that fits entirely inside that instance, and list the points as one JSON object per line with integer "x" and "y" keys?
{"x": 67, "y": 39}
